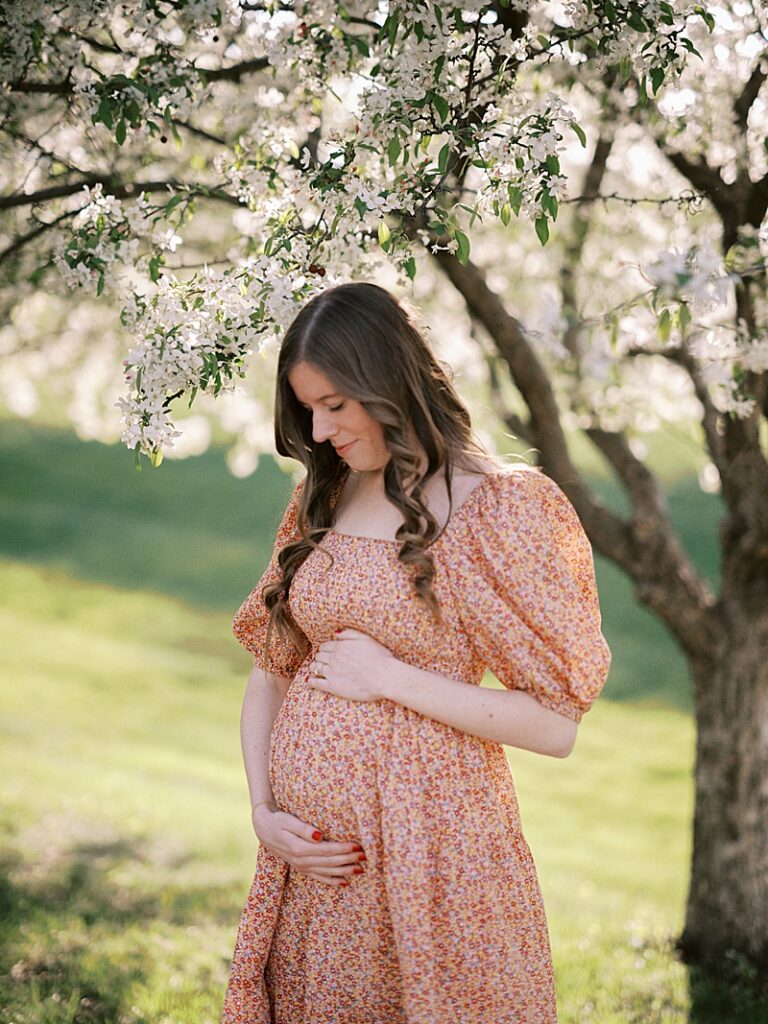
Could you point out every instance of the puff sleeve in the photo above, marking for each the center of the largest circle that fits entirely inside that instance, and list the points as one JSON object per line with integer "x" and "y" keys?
{"x": 250, "y": 622}
{"x": 529, "y": 602}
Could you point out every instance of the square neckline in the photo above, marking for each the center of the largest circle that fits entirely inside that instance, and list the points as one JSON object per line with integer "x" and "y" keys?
{"x": 454, "y": 514}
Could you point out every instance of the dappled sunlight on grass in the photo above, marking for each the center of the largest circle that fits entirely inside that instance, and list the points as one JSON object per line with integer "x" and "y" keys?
{"x": 128, "y": 850}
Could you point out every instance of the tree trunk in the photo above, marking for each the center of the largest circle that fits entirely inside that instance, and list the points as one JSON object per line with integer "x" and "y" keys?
{"x": 728, "y": 895}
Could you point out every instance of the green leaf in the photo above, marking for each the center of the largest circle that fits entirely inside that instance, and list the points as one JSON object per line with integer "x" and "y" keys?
{"x": 542, "y": 229}
{"x": 174, "y": 202}
{"x": 37, "y": 274}
{"x": 120, "y": 132}
{"x": 684, "y": 315}
{"x": 155, "y": 263}
{"x": 441, "y": 106}
{"x": 393, "y": 151}
{"x": 553, "y": 164}
{"x": 614, "y": 333}
{"x": 664, "y": 325}
{"x": 156, "y": 457}
{"x": 104, "y": 113}
{"x": 462, "y": 253}
{"x": 384, "y": 235}
{"x": 708, "y": 19}
{"x": 515, "y": 198}
{"x": 392, "y": 29}
{"x": 657, "y": 77}
{"x": 580, "y": 135}
{"x": 636, "y": 22}
{"x": 410, "y": 267}
{"x": 442, "y": 160}
{"x": 505, "y": 214}
{"x": 690, "y": 47}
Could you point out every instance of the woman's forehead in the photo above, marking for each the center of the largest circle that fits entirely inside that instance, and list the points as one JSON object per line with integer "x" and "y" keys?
{"x": 309, "y": 384}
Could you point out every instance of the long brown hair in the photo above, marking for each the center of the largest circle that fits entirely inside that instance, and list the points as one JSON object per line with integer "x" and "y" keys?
{"x": 369, "y": 345}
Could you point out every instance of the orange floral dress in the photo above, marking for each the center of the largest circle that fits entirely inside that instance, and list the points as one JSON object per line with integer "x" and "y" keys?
{"x": 447, "y": 924}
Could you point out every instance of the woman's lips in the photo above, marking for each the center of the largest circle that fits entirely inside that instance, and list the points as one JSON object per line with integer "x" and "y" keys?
{"x": 343, "y": 448}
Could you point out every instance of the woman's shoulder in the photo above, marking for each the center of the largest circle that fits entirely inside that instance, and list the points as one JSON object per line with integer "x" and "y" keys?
{"x": 517, "y": 484}
{"x": 512, "y": 503}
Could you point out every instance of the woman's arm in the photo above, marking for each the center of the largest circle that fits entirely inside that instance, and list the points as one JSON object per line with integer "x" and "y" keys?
{"x": 355, "y": 666}
{"x": 264, "y": 693}
{"x": 300, "y": 844}
{"x": 512, "y": 717}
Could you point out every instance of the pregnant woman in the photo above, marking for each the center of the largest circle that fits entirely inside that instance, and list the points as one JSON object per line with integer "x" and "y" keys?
{"x": 393, "y": 882}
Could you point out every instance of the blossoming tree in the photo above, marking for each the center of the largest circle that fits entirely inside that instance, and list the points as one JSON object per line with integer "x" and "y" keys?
{"x": 319, "y": 142}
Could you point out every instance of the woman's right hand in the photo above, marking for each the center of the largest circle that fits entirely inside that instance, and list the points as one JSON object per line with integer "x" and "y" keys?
{"x": 290, "y": 838}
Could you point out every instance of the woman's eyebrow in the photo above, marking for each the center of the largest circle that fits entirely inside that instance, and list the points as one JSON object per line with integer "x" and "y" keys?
{"x": 323, "y": 398}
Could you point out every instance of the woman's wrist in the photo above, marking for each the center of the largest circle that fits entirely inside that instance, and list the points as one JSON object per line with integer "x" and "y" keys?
{"x": 272, "y": 804}
{"x": 393, "y": 679}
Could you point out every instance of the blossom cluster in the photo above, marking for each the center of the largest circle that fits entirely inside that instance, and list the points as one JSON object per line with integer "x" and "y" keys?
{"x": 195, "y": 336}
{"x": 107, "y": 234}
{"x": 700, "y": 283}
{"x": 421, "y": 124}
{"x": 697, "y": 277}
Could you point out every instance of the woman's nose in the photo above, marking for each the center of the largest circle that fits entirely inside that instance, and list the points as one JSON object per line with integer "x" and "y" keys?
{"x": 322, "y": 428}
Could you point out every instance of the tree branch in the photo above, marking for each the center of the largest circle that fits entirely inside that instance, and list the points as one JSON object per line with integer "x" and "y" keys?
{"x": 63, "y": 88}
{"x": 201, "y": 133}
{"x": 230, "y": 74}
{"x": 574, "y": 246}
{"x": 116, "y": 189}
{"x": 18, "y": 244}
{"x": 750, "y": 92}
{"x": 236, "y": 71}
{"x": 704, "y": 178}
{"x": 712, "y": 418}
{"x": 544, "y": 428}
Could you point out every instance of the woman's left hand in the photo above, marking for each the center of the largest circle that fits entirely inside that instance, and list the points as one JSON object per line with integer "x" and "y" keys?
{"x": 354, "y": 665}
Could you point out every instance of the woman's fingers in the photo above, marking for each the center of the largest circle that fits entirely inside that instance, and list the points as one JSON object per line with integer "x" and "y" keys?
{"x": 333, "y": 879}
{"x": 335, "y": 883}
{"x": 302, "y": 838}
{"x": 318, "y": 860}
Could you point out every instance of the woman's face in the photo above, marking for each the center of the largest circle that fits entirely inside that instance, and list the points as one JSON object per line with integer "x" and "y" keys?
{"x": 358, "y": 437}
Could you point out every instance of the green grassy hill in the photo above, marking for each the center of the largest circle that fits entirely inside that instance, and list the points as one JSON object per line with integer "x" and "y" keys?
{"x": 126, "y": 846}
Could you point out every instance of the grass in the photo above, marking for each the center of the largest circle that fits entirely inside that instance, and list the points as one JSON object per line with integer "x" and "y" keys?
{"x": 127, "y": 850}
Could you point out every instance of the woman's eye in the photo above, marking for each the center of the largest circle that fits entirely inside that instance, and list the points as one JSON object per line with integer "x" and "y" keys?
{"x": 336, "y": 408}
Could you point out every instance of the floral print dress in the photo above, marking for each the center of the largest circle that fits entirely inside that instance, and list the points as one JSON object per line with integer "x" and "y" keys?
{"x": 447, "y": 924}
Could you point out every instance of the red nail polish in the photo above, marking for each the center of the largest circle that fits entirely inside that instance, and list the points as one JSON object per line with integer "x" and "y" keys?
{"x": 362, "y": 857}
{"x": 344, "y": 885}
{"x": 357, "y": 848}
{"x": 317, "y": 835}
{"x": 357, "y": 870}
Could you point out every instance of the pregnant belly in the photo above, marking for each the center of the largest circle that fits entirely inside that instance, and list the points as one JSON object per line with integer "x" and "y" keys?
{"x": 323, "y": 758}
